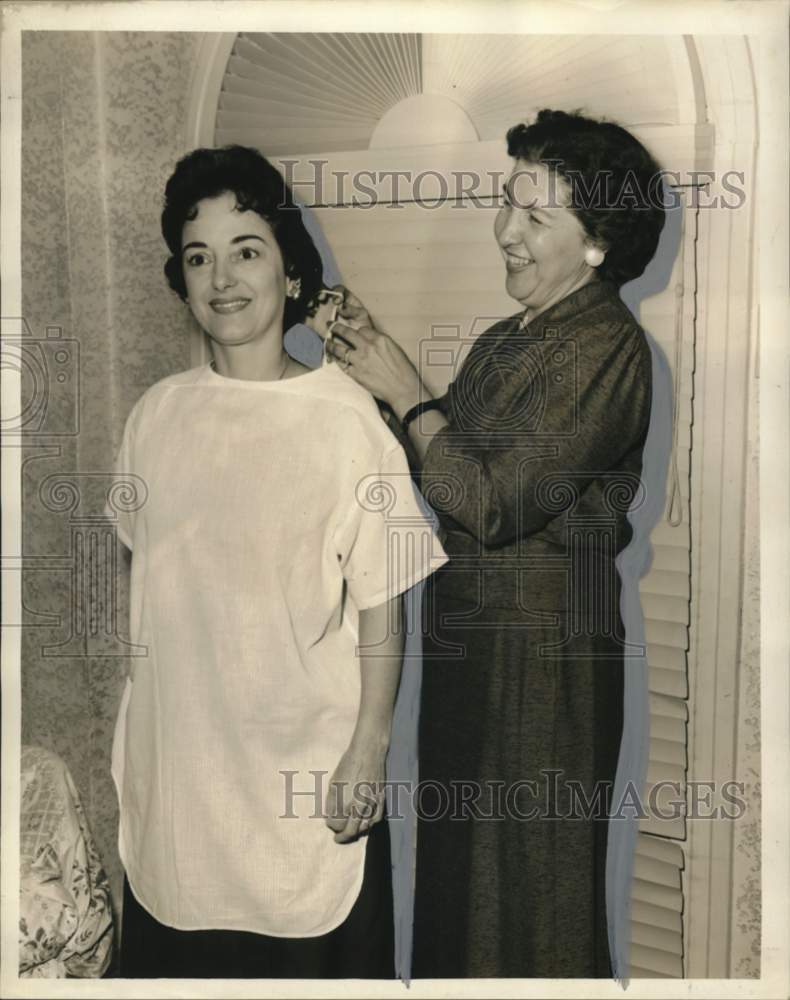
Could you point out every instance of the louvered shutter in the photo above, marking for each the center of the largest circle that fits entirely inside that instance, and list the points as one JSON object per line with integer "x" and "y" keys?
{"x": 657, "y": 909}
{"x": 432, "y": 276}
{"x": 665, "y": 591}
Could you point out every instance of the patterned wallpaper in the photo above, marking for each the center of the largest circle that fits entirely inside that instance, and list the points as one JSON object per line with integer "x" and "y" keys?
{"x": 103, "y": 124}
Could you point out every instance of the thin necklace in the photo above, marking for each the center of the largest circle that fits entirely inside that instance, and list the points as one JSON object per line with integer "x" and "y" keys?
{"x": 213, "y": 366}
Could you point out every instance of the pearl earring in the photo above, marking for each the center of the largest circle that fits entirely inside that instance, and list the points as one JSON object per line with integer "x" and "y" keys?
{"x": 296, "y": 289}
{"x": 594, "y": 256}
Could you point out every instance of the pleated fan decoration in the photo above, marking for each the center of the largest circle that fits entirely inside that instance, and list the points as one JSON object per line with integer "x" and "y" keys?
{"x": 295, "y": 93}
{"x": 290, "y": 93}
{"x": 503, "y": 79}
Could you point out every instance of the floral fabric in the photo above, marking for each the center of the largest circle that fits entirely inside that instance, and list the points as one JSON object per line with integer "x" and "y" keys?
{"x": 65, "y": 917}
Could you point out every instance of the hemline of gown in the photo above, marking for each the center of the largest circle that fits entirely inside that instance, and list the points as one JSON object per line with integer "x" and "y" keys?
{"x": 362, "y": 946}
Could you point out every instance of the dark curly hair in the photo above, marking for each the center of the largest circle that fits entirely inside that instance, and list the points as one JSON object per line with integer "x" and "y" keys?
{"x": 257, "y": 187}
{"x": 616, "y": 186}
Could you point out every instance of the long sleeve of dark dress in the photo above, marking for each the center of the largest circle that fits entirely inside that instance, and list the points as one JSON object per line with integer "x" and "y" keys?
{"x": 545, "y": 436}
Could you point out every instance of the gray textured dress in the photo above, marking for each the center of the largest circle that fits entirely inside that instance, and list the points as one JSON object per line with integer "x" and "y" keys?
{"x": 522, "y": 694}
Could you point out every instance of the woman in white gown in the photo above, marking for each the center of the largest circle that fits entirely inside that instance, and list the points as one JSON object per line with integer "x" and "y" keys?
{"x": 278, "y": 530}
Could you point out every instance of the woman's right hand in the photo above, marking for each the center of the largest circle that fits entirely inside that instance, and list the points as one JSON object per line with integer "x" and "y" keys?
{"x": 352, "y": 310}
{"x": 372, "y": 358}
{"x": 355, "y": 797}
{"x": 327, "y": 301}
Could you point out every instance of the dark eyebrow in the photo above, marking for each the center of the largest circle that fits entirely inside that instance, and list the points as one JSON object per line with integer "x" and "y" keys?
{"x": 236, "y": 239}
{"x": 248, "y": 236}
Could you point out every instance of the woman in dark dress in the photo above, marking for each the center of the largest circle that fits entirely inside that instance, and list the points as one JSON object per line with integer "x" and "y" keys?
{"x": 531, "y": 460}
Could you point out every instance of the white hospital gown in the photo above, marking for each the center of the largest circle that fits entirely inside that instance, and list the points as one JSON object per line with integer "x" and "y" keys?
{"x": 274, "y": 512}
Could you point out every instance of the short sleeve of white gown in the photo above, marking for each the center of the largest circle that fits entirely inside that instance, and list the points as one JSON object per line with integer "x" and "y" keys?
{"x": 127, "y": 490}
{"x": 386, "y": 544}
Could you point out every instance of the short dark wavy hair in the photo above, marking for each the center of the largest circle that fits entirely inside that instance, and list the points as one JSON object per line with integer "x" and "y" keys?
{"x": 257, "y": 187}
{"x": 616, "y": 186}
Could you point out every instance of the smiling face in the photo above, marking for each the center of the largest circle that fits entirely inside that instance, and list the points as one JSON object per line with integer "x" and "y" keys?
{"x": 541, "y": 239}
{"x": 234, "y": 273}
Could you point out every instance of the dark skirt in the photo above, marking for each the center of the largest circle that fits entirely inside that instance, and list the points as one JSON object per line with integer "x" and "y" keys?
{"x": 512, "y": 883}
{"x": 361, "y": 947}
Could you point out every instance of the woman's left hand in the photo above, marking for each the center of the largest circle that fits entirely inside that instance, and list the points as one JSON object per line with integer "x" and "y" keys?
{"x": 372, "y": 358}
{"x": 355, "y": 798}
